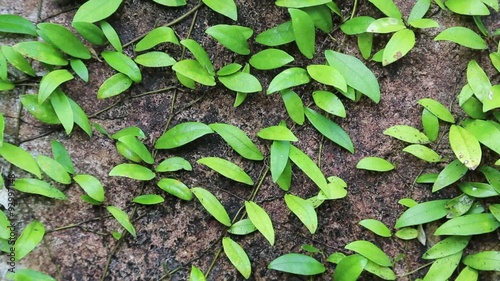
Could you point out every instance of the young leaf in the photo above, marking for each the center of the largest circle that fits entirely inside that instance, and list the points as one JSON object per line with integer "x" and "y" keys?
{"x": 443, "y": 268}
{"x": 196, "y": 274}
{"x": 212, "y": 205}
{"x": 422, "y": 213}
{"x": 436, "y": 108}
{"x": 129, "y": 131}
{"x": 304, "y": 210}
{"x": 20, "y": 158}
{"x": 407, "y": 233}
{"x": 114, "y": 85}
{"x": 383, "y": 272}
{"x": 303, "y": 31}
{"x": 276, "y": 36}
{"x": 241, "y": 82}
{"x": 431, "y": 124}
{"x": 450, "y": 174}
{"x": 173, "y": 164}
{"x": 277, "y": 133}
{"x": 423, "y": 152}
{"x": 270, "y": 59}
{"x": 63, "y": 39}
{"x": 148, "y": 199}
{"x": 471, "y": 7}
{"x": 350, "y": 268}
{"x": 376, "y": 227}
{"x": 365, "y": 44}
{"x": 43, "y": 112}
{"x": 468, "y": 274}
{"x": 175, "y": 3}
{"x": 237, "y": 256}
{"x": 91, "y": 185}
{"x": 136, "y": 146}
{"x": 29, "y": 274}
{"x": 112, "y": 36}
{"x": 133, "y": 171}
{"x": 424, "y": 23}
{"x": 156, "y": 36}
{"x": 386, "y": 25}
{"x": 288, "y": 78}
{"x": 195, "y": 71}
{"x": 398, "y": 46}
{"x": 308, "y": 166}
{"x": 16, "y": 24}
{"x": 233, "y": 37}
{"x": 465, "y": 146}
{"x": 485, "y": 260}
{"x": 53, "y": 169}
{"x": 486, "y": 132}
{"x": 223, "y": 7}
{"x": 492, "y": 175}
{"x": 293, "y": 105}
{"x": 182, "y": 134}
{"x": 80, "y": 117}
{"x": 242, "y": 227}
{"x": 478, "y": 189}
{"x": 369, "y": 251}
{"x": 31, "y": 236}
{"x": 321, "y": 16}
{"x": 260, "y": 220}
{"x": 42, "y": 52}
{"x": 96, "y": 10}
{"x": 200, "y": 54}
{"x": 61, "y": 104}
{"x": 407, "y": 133}
{"x": 329, "y": 102}
{"x": 122, "y": 218}
{"x": 155, "y": 59}
{"x": 459, "y": 205}
{"x": 279, "y": 158}
{"x": 51, "y": 81}
{"x": 462, "y": 36}
{"x": 327, "y": 75}
{"x": 375, "y": 164}
{"x": 90, "y": 32}
{"x": 478, "y": 81}
{"x": 121, "y": 63}
{"x": 299, "y": 3}
{"x": 227, "y": 169}
{"x": 387, "y": 7}
{"x": 329, "y": 129}
{"x": 419, "y": 10}
{"x": 176, "y": 188}
{"x": 471, "y": 224}
{"x": 80, "y": 69}
{"x": 356, "y": 25}
{"x": 448, "y": 246}
{"x": 297, "y": 264}
{"x": 36, "y": 186}
{"x": 17, "y": 60}
{"x": 238, "y": 140}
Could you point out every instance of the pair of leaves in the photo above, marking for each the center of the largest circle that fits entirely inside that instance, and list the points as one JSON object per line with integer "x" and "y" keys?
{"x": 91, "y": 185}
{"x": 157, "y": 36}
{"x": 122, "y": 218}
{"x": 374, "y": 164}
{"x": 233, "y": 37}
{"x": 63, "y": 39}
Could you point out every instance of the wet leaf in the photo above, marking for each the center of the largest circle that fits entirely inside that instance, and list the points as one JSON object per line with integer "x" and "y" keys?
{"x": 91, "y": 185}
{"x": 148, "y": 199}
{"x": 431, "y": 124}
{"x": 356, "y": 25}
{"x": 471, "y": 224}
{"x": 90, "y": 32}
{"x": 242, "y": 227}
{"x": 471, "y": 7}
{"x": 196, "y": 274}
{"x": 195, "y": 71}
{"x": 386, "y": 25}
{"x": 17, "y": 60}
{"x": 30, "y": 237}
{"x": 114, "y": 86}
{"x": 238, "y": 140}
{"x": 387, "y": 7}
{"x": 459, "y": 205}
{"x": 279, "y": 158}
{"x": 133, "y": 171}
{"x": 288, "y": 78}
{"x": 155, "y": 59}
{"x": 232, "y": 37}
{"x": 419, "y": 10}
{"x": 276, "y": 36}
{"x": 16, "y": 24}
{"x": 350, "y": 268}
{"x": 51, "y": 81}
{"x": 20, "y": 158}
{"x": 407, "y": 233}
{"x": 465, "y": 146}
{"x": 297, "y": 264}
{"x": 227, "y": 169}
{"x": 422, "y": 213}
{"x": 327, "y": 75}
{"x": 112, "y": 36}
{"x": 407, "y": 134}
{"x": 182, "y": 134}
{"x": 157, "y": 36}
{"x": 329, "y": 129}
{"x": 486, "y": 260}
{"x": 29, "y": 274}
{"x": 53, "y": 169}
{"x": 121, "y": 63}
{"x": 43, "y": 112}
{"x": 462, "y": 36}
{"x": 223, "y": 7}
{"x": 261, "y": 220}
{"x": 237, "y": 256}
{"x": 241, "y": 82}
{"x": 270, "y": 59}
{"x": 294, "y": 106}
{"x": 299, "y": 3}
{"x": 423, "y": 152}
{"x": 200, "y": 54}
{"x": 303, "y": 31}
{"x": 329, "y": 102}
{"x": 62, "y": 107}
{"x": 96, "y": 10}
{"x": 376, "y": 227}
{"x": 304, "y": 210}
{"x": 492, "y": 101}
{"x": 478, "y": 189}
{"x": 374, "y": 164}
{"x": 443, "y": 268}
{"x": 278, "y": 133}
{"x": 173, "y": 164}
{"x": 63, "y": 39}
{"x": 212, "y": 205}
{"x": 450, "y": 174}
{"x": 36, "y": 186}
{"x": 398, "y": 46}
{"x": 308, "y": 166}
{"x": 446, "y": 247}
{"x": 80, "y": 69}
{"x": 122, "y": 218}
{"x": 176, "y": 188}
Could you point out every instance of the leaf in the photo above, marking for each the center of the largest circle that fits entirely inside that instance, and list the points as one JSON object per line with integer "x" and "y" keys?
{"x": 129, "y": 131}
{"x": 459, "y": 205}
{"x": 242, "y": 227}
{"x": 241, "y": 82}
{"x": 485, "y": 132}
{"x": 16, "y": 24}
{"x": 91, "y": 185}
{"x": 293, "y": 105}
{"x": 223, "y": 7}
{"x": 304, "y": 210}
{"x": 387, "y": 7}
{"x": 407, "y": 233}
{"x": 386, "y": 25}
{"x": 375, "y": 164}
{"x": 175, "y": 3}
{"x": 424, "y": 23}
{"x": 231, "y": 37}
{"x": 29, "y": 274}
{"x": 465, "y": 146}
{"x": 155, "y": 59}
{"x": 237, "y": 256}
{"x": 148, "y": 199}
{"x": 112, "y": 36}
{"x": 114, "y": 86}
{"x": 478, "y": 81}
{"x": 157, "y": 36}
{"x": 446, "y": 247}
{"x": 90, "y": 32}
{"x": 471, "y": 224}
{"x": 270, "y": 59}
{"x": 122, "y": 218}
{"x": 468, "y": 274}
{"x": 136, "y": 146}
{"x": 36, "y": 186}
{"x": 63, "y": 39}
{"x": 261, "y": 220}
{"x": 381, "y": 271}
{"x": 31, "y": 236}
{"x": 478, "y": 189}
{"x": 53, "y": 169}
{"x": 200, "y": 54}
{"x": 42, "y": 52}
{"x": 297, "y": 264}
{"x": 196, "y": 274}
{"x": 51, "y": 81}
{"x": 422, "y": 213}
{"x": 356, "y": 25}
{"x": 176, "y": 188}
{"x": 227, "y": 169}
{"x": 350, "y": 268}
{"x": 308, "y": 166}
{"x": 327, "y": 75}
{"x": 443, "y": 268}
{"x": 303, "y": 31}
{"x": 62, "y": 107}
{"x": 212, "y": 205}
{"x": 492, "y": 176}
{"x": 238, "y": 140}
{"x": 279, "y": 133}
{"x": 431, "y": 124}
{"x": 121, "y": 63}
{"x": 336, "y": 257}
{"x": 17, "y": 60}
{"x": 462, "y": 36}
{"x": 43, "y": 112}
{"x": 279, "y": 158}
{"x": 329, "y": 129}
{"x": 423, "y": 152}
{"x": 195, "y": 71}
{"x": 80, "y": 69}
{"x": 485, "y": 260}
{"x": 20, "y": 158}
{"x": 369, "y": 251}
{"x": 471, "y": 7}
{"x": 329, "y": 102}
{"x": 80, "y": 117}
{"x": 299, "y": 3}
{"x": 398, "y": 46}
{"x": 376, "y": 227}
{"x": 288, "y": 78}
{"x": 173, "y": 164}
{"x": 419, "y": 10}
{"x": 450, "y": 174}
{"x": 96, "y": 10}
{"x": 229, "y": 69}
{"x": 182, "y": 134}
{"x": 276, "y": 36}
{"x": 492, "y": 101}
{"x": 356, "y": 74}
{"x": 407, "y": 134}
{"x": 133, "y": 171}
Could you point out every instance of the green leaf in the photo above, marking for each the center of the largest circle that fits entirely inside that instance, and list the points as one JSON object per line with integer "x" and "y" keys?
{"x": 303, "y": 31}
{"x": 200, "y": 54}
{"x": 31, "y": 236}
{"x": 369, "y": 251}
{"x": 386, "y": 25}
{"x": 485, "y": 132}
{"x": 136, "y": 146}
{"x": 329, "y": 102}
{"x": 17, "y": 60}
{"x": 329, "y": 129}
{"x": 478, "y": 81}
{"x": 96, "y": 10}
{"x": 61, "y": 104}
{"x": 173, "y": 164}
{"x": 465, "y": 146}
{"x": 299, "y": 3}
{"x": 468, "y": 274}
{"x": 492, "y": 101}
{"x": 63, "y": 39}
{"x": 492, "y": 175}
{"x": 229, "y": 69}
{"x": 212, "y": 205}
{"x": 478, "y": 189}
{"x": 148, "y": 199}
{"x": 356, "y": 25}
{"x": 376, "y": 227}
{"x": 175, "y": 3}
{"x": 114, "y": 86}
{"x": 288, "y": 78}
{"x": 241, "y": 82}
{"x": 419, "y": 10}
{"x": 398, "y": 46}
{"x": 232, "y": 37}
{"x": 471, "y": 224}
{"x": 43, "y": 112}
{"x": 121, "y": 63}
{"x": 80, "y": 69}
{"x": 308, "y": 166}
{"x": 462, "y": 36}
{"x": 53, "y": 169}
{"x": 29, "y": 274}
{"x": 387, "y": 7}
{"x": 51, "y": 81}
{"x": 495, "y": 60}
{"x": 223, "y": 7}
{"x": 446, "y": 247}
{"x": 112, "y": 36}
{"x": 327, "y": 75}
{"x": 450, "y": 174}
{"x": 176, "y": 188}
{"x": 375, "y": 164}
{"x": 270, "y": 59}
{"x": 297, "y": 264}
{"x": 443, "y": 268}
{"x": 356, "y": 74}
{"x": 90, "y": 32}
{"x": 381, "y": 271}
{"x": 237, "y": 256}
{"x": 407, "y": 134}
{"x": 182, "y": 134}
{"x": 80, "y": 117}
{"x": 431, "y": 124}
{"x": 195, "y": 71}
{"x": 122, "y": 218}
{"x": 279, "y": 158}
{"x": 279, "y": 133}
{"x": 129, "y": 131}
{"x": 238, "y": 140}
{"x": 304, "y": 210}
{"x": 20, "y": 158}
{"x": 227, "y": 169}
{"x": 261, "y": 220}
{"x": 350, "y": 268}
{"x": 485, "y": 260}
{"x": 242, "y": 227}
{"x": 321, "y": 16}
{"x": 365, "y": 44}
{"x": 276, "y": 36}
{"x": 470, "y": 7}
{"x": 423, "y": 152}
{"x": 459, "y": 205}
{"x": 91, "y": 185}
{"x": 407, "y": 233}
{"x": 2, "y": 129}
{"x": 16, "y": 24}
{"x": 157, "y": 36}
{"x": 155, "y": 59}
{"x": 424, "y": 23}
{"x": 422, "y": 213}
{"x": 36, "y": 186}
{"x": 407, "y": 202}
{"x": 133, "y": 171}
{"x": 294, "y": 106}
{"x": 196, "y": 274}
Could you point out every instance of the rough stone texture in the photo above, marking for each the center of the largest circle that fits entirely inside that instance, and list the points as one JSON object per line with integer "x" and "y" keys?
{"x": 177, "y": 234}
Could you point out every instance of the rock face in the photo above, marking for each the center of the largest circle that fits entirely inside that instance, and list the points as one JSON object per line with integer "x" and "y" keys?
{"x": 176, "y": 234}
